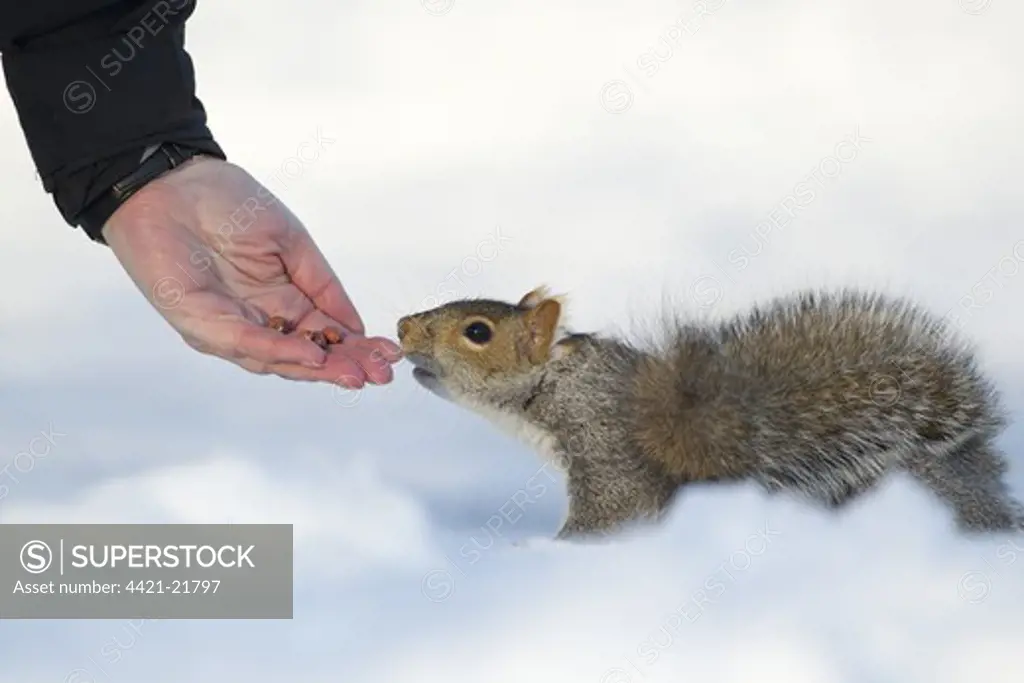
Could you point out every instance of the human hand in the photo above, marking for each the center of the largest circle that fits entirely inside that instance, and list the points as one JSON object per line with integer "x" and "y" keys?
{"x": 217, "y": 254}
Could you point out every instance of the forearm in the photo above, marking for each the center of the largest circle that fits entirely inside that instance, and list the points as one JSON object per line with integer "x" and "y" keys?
{"x": 94, "y": 83}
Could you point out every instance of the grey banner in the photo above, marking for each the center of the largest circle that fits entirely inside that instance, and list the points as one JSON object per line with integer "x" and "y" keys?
{"x": 146, "y": 571}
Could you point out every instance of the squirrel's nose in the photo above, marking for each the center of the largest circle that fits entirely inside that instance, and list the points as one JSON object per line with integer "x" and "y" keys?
{"x": 404, "y": 323}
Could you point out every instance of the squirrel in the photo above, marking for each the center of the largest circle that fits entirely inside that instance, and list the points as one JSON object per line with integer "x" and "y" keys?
{"x": 818, "y": 394}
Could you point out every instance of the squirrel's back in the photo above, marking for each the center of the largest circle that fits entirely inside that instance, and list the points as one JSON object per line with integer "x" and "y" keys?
{"x": 811, "y": 384}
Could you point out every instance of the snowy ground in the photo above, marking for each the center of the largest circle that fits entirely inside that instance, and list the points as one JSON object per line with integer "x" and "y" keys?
{"x": 478, "y": 151}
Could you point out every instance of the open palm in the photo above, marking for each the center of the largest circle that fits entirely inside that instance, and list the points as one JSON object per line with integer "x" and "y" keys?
{"x": 217, "y": 254}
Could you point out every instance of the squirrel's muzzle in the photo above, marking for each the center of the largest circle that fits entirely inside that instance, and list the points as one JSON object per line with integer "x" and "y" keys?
{"x": 404, "y": 325}
{"x": 413, "y": 334}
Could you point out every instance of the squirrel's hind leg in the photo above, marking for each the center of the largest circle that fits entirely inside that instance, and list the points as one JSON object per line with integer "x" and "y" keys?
{"x": 970, "y": 479}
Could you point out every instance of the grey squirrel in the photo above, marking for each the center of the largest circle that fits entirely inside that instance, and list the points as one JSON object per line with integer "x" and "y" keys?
{"x": 818, "y": 394}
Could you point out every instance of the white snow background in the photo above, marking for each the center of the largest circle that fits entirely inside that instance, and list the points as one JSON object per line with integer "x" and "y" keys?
{"x": 628, "y": 154}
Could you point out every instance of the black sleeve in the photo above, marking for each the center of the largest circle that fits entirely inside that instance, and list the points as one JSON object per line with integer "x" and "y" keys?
{"x": 94, "y": 83}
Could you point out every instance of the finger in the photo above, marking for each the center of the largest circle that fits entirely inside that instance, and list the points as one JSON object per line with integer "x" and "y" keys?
{"x": 339, "y": 369}
{"x": 341, "y": 372}
{"x": 391, "y": 351}
{"x": 355, "y": 362}
{"x": 375, "y": 356}
{"x": 270, "y": 347}
{"x": 313, "y": 275}
{"x": 387, "y": 349}
{"x": 349, "y": 363}
{"x": 236, "y": 331}
{"x": 297, "y": 373}
{"x": 342, "y": 368}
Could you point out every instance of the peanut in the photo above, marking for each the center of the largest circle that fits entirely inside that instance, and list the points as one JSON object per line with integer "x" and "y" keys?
{"x": 322, "y": 338}
{"x": 317, "y": 337}
{"x": 276, "y": 322}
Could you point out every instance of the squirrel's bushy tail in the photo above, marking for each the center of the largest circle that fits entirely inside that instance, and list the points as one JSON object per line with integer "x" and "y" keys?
{"x": 971, "y": 480}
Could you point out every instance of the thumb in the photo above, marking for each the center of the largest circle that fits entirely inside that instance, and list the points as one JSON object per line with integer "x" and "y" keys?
{"x": 312, "y": 274}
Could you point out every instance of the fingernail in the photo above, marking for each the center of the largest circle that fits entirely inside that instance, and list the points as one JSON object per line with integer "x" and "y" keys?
{"x": 315, "y": 364}
{"x": 350, "y": 382}
{"x": 392, "y": 348}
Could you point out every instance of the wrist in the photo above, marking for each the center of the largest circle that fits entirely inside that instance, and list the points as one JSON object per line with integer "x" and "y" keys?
{"x": 88, "y": 111}
{"x": 153, "y": 162}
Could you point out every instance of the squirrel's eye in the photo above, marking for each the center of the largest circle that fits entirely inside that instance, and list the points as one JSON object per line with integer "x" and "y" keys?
{"x": 478, "y": 333}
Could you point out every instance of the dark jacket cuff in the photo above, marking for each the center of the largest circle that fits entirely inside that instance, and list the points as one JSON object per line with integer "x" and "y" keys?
{"x": 91, "y": 98}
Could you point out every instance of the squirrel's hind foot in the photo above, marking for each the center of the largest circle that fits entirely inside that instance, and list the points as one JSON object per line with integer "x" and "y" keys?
{"x": 970, "y": 480}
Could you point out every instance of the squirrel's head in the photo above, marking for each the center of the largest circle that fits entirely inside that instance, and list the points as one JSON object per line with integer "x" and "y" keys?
{"x": 482, "y": 349}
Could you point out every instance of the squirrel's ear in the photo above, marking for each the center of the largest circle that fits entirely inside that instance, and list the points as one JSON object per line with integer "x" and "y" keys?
{"x": 542, "y": 324}
{"x": 533, "y": 297}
